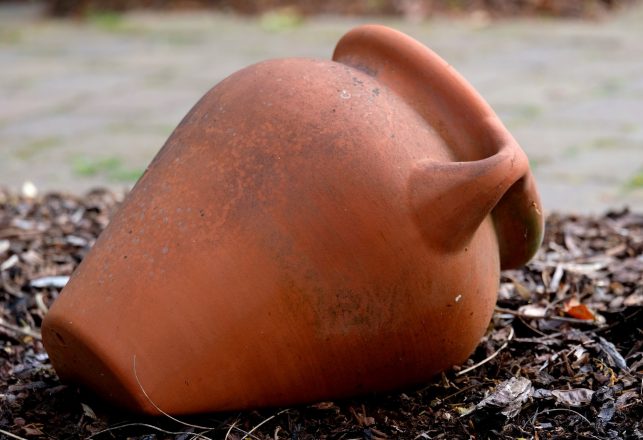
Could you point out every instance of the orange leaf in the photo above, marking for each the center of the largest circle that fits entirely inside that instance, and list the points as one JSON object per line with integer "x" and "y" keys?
{"x": 577, "y": 310}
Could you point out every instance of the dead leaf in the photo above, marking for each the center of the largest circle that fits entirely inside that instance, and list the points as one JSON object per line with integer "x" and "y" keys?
{"x": 521, "y": 289}
{"x": 88, "y": 411}
{"x": 9, "y": 262}
{"x": 581, "y": 355}
{"x": 575, "y": 309}
{"x": 623, "y": 400}
{"x": 33, "y": 429}
{"x": 634, "y": 300}
{"x": 607, "y": 411}
{"x": 575, "y": 397}
{"x": 509, "y": 396}
{"x": 532, "y": 311}
{"x": 465, "y": 410}
{"x": 588, "y": 269}
{"x": 612, "y": 353}
{"x": 542, "y": 393}
{"x": 324, "y": 405}
{"x": 556, "y": 278}
{"x": 362, "y": 418}
{"x": 56, "y": 281}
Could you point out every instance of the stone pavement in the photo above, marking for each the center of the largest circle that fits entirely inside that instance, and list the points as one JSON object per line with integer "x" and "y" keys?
{"x": 90, "y": 103}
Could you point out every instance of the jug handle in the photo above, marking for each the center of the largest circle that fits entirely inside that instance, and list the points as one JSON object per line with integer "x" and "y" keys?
{"x": 490, "y": 173}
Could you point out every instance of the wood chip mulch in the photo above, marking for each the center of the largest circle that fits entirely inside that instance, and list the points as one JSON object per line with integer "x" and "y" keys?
{"x": 562, "y": 358}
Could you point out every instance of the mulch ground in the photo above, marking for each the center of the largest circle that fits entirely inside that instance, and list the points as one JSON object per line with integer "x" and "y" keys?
{"x": 562, "y": 358}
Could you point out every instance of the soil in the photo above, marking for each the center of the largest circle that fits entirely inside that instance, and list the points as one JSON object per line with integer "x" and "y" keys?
{"x": 562, "y": 357}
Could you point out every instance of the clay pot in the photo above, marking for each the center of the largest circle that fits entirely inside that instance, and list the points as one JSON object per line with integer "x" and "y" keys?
{"x": 311, "y": 230}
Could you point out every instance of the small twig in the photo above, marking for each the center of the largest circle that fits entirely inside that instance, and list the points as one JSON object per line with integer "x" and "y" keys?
{"x": 574, "y": 320}
{"x": 236, "y": 428}
{"x": 208, "y": 428}
{"x": 487, "y": 359}
{"x": 265, "y": 421}
{"x": 20, "y": 330}
{"x": 233, "y": 426}
{"x": 19, "y": 233}
{"x": 444, "y": 399}
{"x": 619, "y": 322}
{"x": 10, "y": 435}
{"x": 547, "y": 316}
{"x": 568, "y": 367}
{"x": 530, "y": 327}
{"x": 550, "y": 306}
{"x": 511, "y": 312}
{"x": 555, "y": 335}
{"x": 246, "y": 434}
{"x": 567, "y": 410}
{"x": 145, "y": 425}
{"x": 40, "y": 302}
{"x": 541, "y": 340}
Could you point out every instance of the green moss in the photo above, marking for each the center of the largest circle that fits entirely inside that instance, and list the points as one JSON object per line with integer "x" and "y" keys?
{"x": 605, "y": 142}
{"x": 571, "y": 151}
{"x": 629, "y": 128}
{"x": 537, "y": 161}
{"x": 281, "y": 20}
{"x": 182, "y": 38}
{"x": 611, "y": 86}
{"x": 456, "y": 5}
{"x": 10, "y": 36}
{"x": 111, "y": 167}
{"x": 521, "y": 114}
{"x": 125, "y": 174}
{"x": 134, "y": 127}
{"x": 106, "y": 20}
{"x": 35, "y": 147}
{"x": 636, "y": 181}
{"x": 160, "y": 77}
{"x": 529, "y": 111}
{"x": 375, "y": 6}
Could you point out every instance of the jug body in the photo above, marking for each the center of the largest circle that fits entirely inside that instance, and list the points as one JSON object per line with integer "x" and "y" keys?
{"x": 299, "y": 237}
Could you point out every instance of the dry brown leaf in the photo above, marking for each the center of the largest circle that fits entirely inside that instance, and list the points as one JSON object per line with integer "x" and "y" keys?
{"x": 575, "y": 397}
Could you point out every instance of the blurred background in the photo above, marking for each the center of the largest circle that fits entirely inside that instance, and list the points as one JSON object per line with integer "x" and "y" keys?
{"x": 91, "y": 89}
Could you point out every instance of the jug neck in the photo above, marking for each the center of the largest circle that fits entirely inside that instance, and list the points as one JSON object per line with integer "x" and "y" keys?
{"x": 490, "y": 174}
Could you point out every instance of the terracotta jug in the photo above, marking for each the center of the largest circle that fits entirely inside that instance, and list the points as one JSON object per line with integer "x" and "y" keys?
{"x": 311, "y": 230}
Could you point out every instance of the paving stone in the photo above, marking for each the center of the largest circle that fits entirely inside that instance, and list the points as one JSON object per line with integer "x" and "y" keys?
{"x": 109, "y": 92}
